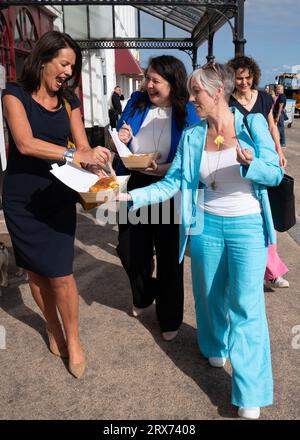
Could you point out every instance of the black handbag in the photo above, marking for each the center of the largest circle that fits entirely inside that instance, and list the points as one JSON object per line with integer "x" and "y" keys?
{"x": 285, "y": 115}
{"x": 282, "y": 202}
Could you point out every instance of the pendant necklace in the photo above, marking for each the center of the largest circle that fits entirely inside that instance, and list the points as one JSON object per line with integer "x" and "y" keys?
{"x": 218, "y": 140}
{"x": 213, "y": 183}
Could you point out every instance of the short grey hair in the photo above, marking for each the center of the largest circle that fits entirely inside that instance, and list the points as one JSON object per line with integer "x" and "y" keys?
{"x": 211, "y": 77}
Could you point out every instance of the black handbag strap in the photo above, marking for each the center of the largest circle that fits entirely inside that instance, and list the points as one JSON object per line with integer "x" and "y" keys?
{"x": 247, "y": 126}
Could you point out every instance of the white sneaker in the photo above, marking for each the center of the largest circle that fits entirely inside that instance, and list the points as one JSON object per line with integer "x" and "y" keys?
{"x": 249, "y": 413}
{"x": 218, "y": 362}
{"x": 136, "y": 311}
{"x": 169, "y": 336}
{"x": 277, "y": 283}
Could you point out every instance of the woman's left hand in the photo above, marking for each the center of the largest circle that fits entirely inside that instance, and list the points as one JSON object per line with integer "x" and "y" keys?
{"x": 245, "y": 156}
{"x": 153, "y": 167}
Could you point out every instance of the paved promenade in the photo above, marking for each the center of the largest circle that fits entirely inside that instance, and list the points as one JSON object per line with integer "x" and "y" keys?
{"x": 131, "y": 372}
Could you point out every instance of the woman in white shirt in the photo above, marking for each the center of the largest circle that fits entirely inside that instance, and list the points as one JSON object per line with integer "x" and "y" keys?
{"x": 153, "y": 121}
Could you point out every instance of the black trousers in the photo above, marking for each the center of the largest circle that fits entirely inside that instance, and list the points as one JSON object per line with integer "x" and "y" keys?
{"x": 136, "y": 249}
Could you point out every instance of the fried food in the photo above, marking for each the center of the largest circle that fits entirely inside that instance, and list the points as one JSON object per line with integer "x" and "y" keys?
{"x": 103, "y": 184}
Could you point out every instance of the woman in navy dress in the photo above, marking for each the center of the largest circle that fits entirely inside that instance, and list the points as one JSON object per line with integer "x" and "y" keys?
{"x": 39, "y": 210}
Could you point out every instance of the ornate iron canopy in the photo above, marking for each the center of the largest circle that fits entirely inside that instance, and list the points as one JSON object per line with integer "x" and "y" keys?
{"x": 200, "y": 18}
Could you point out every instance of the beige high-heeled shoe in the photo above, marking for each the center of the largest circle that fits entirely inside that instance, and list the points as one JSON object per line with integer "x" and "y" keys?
{"x": 53, "y": 347}
{"x": 77, "y": 370}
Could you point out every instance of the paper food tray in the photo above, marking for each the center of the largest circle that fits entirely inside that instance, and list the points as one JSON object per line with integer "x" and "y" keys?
{"x": 105, "y": 195}
{"x": 138, "y": 160}
{"x": 129, "y": 159}
{"x": 81, "y": 180}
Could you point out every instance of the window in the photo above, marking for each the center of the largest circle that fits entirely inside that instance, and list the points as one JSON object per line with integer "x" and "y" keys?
{"x": 75, "y": 21}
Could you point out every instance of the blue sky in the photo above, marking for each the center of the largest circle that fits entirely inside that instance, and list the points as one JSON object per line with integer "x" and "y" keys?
{"x": 272, "y": 31}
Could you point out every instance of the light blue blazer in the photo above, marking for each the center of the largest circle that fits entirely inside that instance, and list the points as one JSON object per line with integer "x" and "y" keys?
{"x": 184, "y": 173}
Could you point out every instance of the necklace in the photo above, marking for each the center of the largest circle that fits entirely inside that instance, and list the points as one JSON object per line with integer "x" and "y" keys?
{"x": 247, "y": 103}
{"x": 156, "y": 141}
{"x": 213, "y": 183}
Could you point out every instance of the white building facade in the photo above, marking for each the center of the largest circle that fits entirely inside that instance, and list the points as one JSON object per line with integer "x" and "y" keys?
{"x": 99, "y": 75}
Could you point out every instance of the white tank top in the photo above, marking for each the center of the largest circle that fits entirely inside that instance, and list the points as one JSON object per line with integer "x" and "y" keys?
{"x": 226, "y": 193}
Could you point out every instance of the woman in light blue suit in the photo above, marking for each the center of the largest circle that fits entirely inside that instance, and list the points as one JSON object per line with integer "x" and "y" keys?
{"x": 225, "y": 212}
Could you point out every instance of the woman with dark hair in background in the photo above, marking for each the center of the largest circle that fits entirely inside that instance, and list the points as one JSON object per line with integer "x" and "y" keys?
{"x": 248, "y": 100}
{"x": 153, "y": 120}
{"x": 39, "y": 210}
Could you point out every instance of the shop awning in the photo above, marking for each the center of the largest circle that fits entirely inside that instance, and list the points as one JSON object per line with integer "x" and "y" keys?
{"x": 126, "y": 64}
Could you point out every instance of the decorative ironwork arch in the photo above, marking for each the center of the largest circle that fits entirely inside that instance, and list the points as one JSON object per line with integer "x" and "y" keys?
{"x": 25, "y": 35}
{"x": 201, "y": 18}
{"x": 25, "y": 32}
{"x": 6, "y": 49}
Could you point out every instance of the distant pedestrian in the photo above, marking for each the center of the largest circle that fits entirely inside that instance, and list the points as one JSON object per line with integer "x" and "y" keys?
{"x": 115, "y": 110}
{"x": 279, "y": 113}
{"x": 274, "y": 97}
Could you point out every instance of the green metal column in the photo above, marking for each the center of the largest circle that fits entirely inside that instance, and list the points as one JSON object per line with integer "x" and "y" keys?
{"x": 239, "y": 40}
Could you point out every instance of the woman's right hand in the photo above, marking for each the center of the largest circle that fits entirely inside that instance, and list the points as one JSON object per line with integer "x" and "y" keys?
{"x": 125, "y": 133}
{"x": 95, "y": 156}
{"x": 123, "y": 197}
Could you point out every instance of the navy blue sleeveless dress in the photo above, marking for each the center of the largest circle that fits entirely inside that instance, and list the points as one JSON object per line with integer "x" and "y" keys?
{"x": 39, "y": 210}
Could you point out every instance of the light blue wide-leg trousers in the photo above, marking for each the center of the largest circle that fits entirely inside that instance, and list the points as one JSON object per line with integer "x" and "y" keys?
{"x": 228, "y": 266}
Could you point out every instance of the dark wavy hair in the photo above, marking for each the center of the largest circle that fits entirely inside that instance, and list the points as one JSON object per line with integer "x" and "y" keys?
{"x": 242, "y": 62}
{"x": 47, "y": 48}
{"x": 173, "y": 71}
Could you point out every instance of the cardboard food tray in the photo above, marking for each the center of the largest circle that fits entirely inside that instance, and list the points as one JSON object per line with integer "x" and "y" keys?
{"x": 138, "y": 160}
{"x": 105, "y": 195}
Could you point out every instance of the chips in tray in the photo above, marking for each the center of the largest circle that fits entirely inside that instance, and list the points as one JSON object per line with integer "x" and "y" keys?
{"x": 138, "y": 160}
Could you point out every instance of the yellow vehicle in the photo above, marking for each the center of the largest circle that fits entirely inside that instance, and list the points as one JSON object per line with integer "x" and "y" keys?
{"x": 296, "y": 96}
{"x": 289, "y": 82}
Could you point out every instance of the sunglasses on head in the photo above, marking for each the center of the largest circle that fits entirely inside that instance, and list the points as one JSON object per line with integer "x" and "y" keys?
{"x": 213, "y": 66}
{"x": 210, "y": 66}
